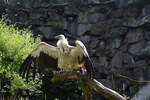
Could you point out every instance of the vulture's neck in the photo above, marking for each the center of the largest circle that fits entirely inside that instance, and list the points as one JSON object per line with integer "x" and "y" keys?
{"x": 63, "y": 45}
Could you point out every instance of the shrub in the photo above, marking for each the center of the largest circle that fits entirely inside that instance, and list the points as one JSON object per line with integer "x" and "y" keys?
{"x": 15, "y": 45}
{"x": 13, "y": 84}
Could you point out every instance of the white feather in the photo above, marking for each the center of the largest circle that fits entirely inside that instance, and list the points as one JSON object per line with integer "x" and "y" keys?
{"x": 45, "y": 48}
{"x": 82, "y": 47}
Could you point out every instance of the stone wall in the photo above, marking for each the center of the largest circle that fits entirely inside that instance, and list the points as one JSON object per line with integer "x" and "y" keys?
{"x": 117, "y": 39}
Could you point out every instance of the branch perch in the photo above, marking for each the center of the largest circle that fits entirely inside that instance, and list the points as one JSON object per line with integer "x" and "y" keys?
{"x": 92, "y": 84}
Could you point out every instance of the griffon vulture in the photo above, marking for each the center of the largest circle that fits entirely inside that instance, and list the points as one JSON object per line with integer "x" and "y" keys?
{"x": 62, "y": 57}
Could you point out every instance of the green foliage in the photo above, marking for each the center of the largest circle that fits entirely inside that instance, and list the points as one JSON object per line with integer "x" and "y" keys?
{"x": 13, "y": 83}
{"x": 15, "y": 45}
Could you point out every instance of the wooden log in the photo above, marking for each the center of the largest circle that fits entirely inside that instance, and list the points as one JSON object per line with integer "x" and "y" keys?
{"x": 89, "y": 85}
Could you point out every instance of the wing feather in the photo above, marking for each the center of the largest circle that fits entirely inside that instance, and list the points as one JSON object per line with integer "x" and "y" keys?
{"x": 47, "y": 49}
{"x": 83, "y": 57}
{"x": 44, "y": 56}
{"x": 25, "y": 65}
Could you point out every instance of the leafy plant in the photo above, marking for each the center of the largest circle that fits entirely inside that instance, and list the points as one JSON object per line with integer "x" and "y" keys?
{"x": 12, "y": 83}
{"x": 15, "y": 45}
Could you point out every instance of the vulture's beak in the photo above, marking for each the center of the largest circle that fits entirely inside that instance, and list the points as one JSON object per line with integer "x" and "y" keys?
{"x": 57, "y": 37}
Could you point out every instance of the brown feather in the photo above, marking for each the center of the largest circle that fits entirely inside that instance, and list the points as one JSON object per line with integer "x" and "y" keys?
{"x": 23, "y": 68}
{"x": 45, "y": 61}
{"x": 89, "y": 67}
{"x": 42, "y": 62}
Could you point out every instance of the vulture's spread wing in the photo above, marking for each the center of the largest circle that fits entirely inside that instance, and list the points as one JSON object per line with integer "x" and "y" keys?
{"x": 83, "y": 58}
{"x": 44, "y": 56}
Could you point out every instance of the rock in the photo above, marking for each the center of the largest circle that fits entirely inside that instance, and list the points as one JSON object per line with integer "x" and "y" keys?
{"x": 118, "y": 13}
{"x": 46, "y": 31}
{"x": 103, "y": 61}
{"x": 140, "y": 64}
{"x": 100, "y": 64}
{"x": 100, "y": 49}
{"x": 124, "y": 48}
{"x": 72, "y": 27}
{"x": 122, "y": 60}
{"x": 121, "y": 3}
{"x": 35, "y": 15}
{"x": 92, "y": 51}
{"x": 82, "y": 28}
{"x": 45, "y": 4}
{"x": 109, "y": 52}
{"x": 115, "y": 22}
{"x": 85, "y": 39}
{"x": 24, "y": 18}
{"x": 128, "y": 60}
{"x": 134, "y": 36}
{"x": 95, "y": 18}
{"x": 83, "y": 18}
{"x": 146, "y": 51}
{"x": 102, "y": 45}
{"x": 52, "y": 16}
{"x": 36, "y": 3}
{"x": 146, "y": 73}
{"x": 132, "y": 22}
{"x": 147, "y": 36}
{"x": 94, "y": 43}
{"x": 93, "y": 1}
{"x": 115, "y": 32}
{"x": 27, "y": 4}
{"x": 136, "y": 49}
{"x": 99, "y": 29}
{"x": 146, "y": 10}
{"x": 131, "y": 11}
{"x": 116, "y": 43}
{"x": 113, "y": 43}
{"x": 138, "y": 72}
{"x": 117, "y": 60}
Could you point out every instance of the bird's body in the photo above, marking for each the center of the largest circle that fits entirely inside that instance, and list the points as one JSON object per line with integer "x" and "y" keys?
{"x": 68, "y": 61}
{"x": 64, "y": 56}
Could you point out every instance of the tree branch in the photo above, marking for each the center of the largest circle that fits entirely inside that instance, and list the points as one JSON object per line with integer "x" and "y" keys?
{"x": 92, "y": 84}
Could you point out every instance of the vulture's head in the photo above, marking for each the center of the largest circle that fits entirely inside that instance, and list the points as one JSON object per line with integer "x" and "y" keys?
{"x": 59, "y": 37}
